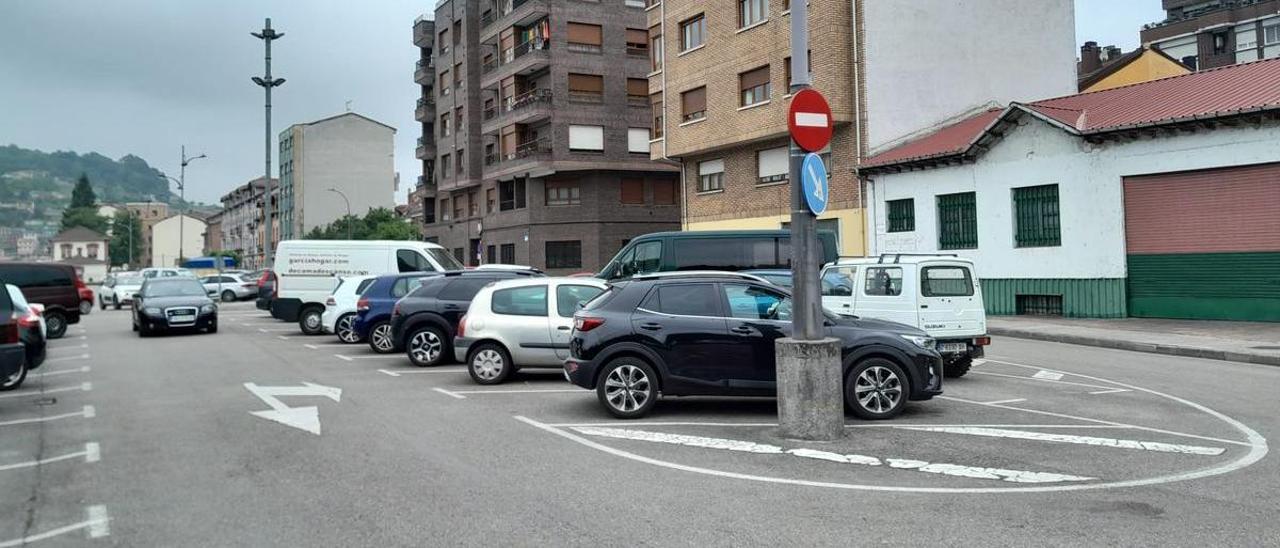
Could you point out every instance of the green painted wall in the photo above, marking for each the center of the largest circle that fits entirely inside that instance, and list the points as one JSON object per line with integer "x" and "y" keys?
{"x": 1081, "y": 298}
{"x": 1205, "y": 286}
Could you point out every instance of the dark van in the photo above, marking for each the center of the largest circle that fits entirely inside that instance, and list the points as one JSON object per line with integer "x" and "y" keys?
{"x": 56, "y": 286}
{"x": 731, "y": 250}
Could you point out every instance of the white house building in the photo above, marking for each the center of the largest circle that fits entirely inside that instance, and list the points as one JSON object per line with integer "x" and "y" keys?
{"x": 84, "y": 248}
{"x": 1156, "y": 199}
{"x": 174, "y": 237}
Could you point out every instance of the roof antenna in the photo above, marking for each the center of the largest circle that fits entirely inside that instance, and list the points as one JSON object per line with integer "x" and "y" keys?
{"x": 348, "y": 105}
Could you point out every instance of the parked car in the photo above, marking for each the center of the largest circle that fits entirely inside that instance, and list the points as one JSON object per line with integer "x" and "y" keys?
{"x": 266, "y": 290}
{"x": 149, "y": 273}
{"x": 165, "y": 304}
{"x": 229, "y": 287}
{"x": 713, "y": 334}
{"x": 720, "y": 250}
{"x": 86, "y": 298}
{"x": 31, "y": 334}
{"x": 307, "y": 271}
{"x": 373, "y": 309}
{"x": 776, "y": 276}
{"x": 340, "y": 308}
{"x": 56, "y": 286}
{"x": 425, "y": 322}
{"x": 937, "y": 293}
{"x": 119, "y": 289}
{"x": 524, "y": 322}
{"x": 13, "y": 353}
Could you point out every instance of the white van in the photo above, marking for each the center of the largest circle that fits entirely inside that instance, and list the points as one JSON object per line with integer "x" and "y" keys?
{"x": 937, "y": 293}
{"x": 308, "y": 270}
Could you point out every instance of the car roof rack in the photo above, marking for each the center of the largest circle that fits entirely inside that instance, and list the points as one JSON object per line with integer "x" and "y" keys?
{"x": 491, "y": 271}
{"x": 699, "y": 274}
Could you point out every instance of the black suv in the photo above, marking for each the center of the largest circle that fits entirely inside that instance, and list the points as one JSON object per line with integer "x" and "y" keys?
{"x": 56, "y": 286}
{"x": 424, "y": 322}
{"x": 713, "y": 334}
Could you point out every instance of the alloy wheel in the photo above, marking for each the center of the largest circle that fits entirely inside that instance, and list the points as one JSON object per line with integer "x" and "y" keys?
{"x": 381, "y": 338}
{"x": 487, "y": 364}
{"x": 312, "y": 320}
{"x": 878, "y": 389}
{"x": 346, "y": 329}
{"x": 425, "y": 347}
{"x": 16, "y": 377}
{"x": 627, "y": 388}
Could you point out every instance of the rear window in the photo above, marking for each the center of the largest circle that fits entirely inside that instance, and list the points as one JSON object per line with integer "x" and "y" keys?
{"x": 463, "y": 288}
{"x": 37, "y": 276}
{"x": 945, "y": 281}
{"x": 602, "y": 299}
{"x": 569, "y": 297}
{"x": 404, "y": 286}
{"x": 520, "y": 301}
{"x": 731, "y": 253}
{"x": 685, "y": 300}
{"x": 364, "y": 284}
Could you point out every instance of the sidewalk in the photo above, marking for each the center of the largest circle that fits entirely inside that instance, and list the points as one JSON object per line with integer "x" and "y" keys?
{"x": 1252, "y": 342}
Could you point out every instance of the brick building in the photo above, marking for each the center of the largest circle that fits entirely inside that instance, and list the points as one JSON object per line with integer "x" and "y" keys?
{"x": 539, "y": 133}
{"x": 242, "y": 225}
{"x": 1206, "y": 34}
{"x": 148, "y": 213}
{"x": 720, "y": 78}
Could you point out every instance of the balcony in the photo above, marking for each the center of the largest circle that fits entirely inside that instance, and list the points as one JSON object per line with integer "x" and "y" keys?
{"x": 426, "y": 148}
{"x": 423, "y": 70}
{"x": 425, "y": 110}
{"x": 511, "y": 13}
{"x": 423, "y": 31}
{"x": 523, "y": 59}
{"x": 529, "y": 151}
{"x": 521, "y": 109}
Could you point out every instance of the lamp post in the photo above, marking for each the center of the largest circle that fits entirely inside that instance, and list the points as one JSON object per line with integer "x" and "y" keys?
{"x": 348, "y": 202}
{"x": 267, "y": 35}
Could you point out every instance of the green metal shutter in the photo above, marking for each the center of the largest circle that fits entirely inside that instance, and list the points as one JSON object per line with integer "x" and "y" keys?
{"x": 957, "y": 221}
{"x": 902, "y": 215}
{"x": 1036, "y": 214}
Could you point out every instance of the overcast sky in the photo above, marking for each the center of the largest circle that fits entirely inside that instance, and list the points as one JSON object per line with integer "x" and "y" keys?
{"x": 146, "y": 76}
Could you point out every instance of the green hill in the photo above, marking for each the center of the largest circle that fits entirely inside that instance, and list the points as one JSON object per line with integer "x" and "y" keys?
{"x": 47, "y": 177}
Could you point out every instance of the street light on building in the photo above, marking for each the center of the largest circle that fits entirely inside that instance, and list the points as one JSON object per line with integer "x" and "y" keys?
{"x": 348, "y": 202}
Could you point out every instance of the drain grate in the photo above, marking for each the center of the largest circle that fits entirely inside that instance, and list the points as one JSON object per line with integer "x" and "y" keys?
{"x": 46, "y": 401}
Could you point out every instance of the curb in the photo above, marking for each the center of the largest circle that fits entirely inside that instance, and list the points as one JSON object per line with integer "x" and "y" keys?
{"x": 1134, "y": 346}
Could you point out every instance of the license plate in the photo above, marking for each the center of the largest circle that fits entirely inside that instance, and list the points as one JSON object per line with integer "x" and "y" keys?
{"x": 182, "y": 319}
{"x": 953, "y": 347}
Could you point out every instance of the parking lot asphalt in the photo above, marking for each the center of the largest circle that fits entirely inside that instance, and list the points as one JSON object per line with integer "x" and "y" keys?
{"x": 258, "y": 436}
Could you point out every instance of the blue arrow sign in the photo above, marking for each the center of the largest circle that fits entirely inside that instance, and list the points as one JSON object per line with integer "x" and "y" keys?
{"x": 813, "y": 178}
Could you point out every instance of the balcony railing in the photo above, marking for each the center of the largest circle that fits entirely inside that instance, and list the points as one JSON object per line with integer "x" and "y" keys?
{"x": 518, "y": 102}
{"x": 425, "y": 64}
{"x": 426, "y": 102}
{"x": 511, "y": 55}
{"x": 583, "y": 48}
{"x": 529, "y": 149}
{"x": 487, "y": 19}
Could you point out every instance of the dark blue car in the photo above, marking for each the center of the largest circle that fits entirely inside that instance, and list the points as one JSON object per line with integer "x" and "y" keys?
{"x": 373, "y": 310}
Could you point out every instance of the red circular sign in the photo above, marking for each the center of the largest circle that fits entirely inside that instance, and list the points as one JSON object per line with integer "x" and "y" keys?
{"x": 809, "y": 120}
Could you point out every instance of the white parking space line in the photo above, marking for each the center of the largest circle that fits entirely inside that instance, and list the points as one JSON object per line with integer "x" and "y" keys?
{"x": 97, "y": 526}
{"x": 391, "y": 373}
{"x": 859, "y": 425}
{"x": 91, "y": 453}
{"x": 450, "y": 394}
{"x": 1015, "y": 400}
{"x": 84, "y": 369}
{"x": 67, "y": 358}
{"x": 1158, "y": 447}
{"x": 1054, "y": 380}
{"x": 316, "y": 346}
{"x": 84, "y": 386}
{"x": 535, "y": 391}
{"x": 1048, "y": 375}
{"x": 277, "y": 329}
{"x": 350, "y": 357}
{"x": 87, "y": 413}
{"x": 1110, "y": 391}
{"x": 62, "y": 346}
{"x": 269, "y": 324}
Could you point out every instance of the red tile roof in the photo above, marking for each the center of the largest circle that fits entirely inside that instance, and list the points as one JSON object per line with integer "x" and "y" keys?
{"x": 1203, "y": 95}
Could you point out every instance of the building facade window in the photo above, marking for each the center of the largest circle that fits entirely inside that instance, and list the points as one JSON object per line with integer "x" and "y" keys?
{"x": 1036, "y": 216}
{"x": 491, "y": 199}
{"x": 428, "y": 210}
{"x": 786, "y": 64}
{"x": 638, "y": 42}
{"x": 638, "y": 92}
{"x": 444, "y": 125}
{"x": 586, "y": 88}
{"x": 564, "y": 254}
{"x": 473, "y": 204}
{"x": 585, "y": 37}
{"x": 693, "y": 104}
{"x": 457, "y": 207}
{"x": 656, "y": 100}
{"x": 772, "y": 165}
{"x": 957, "y": 221}
{"x": 460, "y": 254}
{"x": 655, "y": 49}
{"x": 559, "y": 194}
{"x": 711, "y": 175}
{"x": 491, "y": 254}
{"x": 507, "y": 253}
{"x": 459, "y": 164}
{"x": 444, "y": 210}
{"x": 446, "y": 163}
{"x": 511, "y": 195}
{"x": 457, "y": 76}
{"x": 751, "y": 12}
{"x": 664, "y": 193}
{"x": 586, "y": 138}
{"x": 638, "y": 140}
{"x": 902, "y": 215}
{"x": 1271, "y": 32}
{"x": 693, "y": 32}
{"x": 444, "y": 82}
{"x": 754, "y": 86}
{"x": 632, "y": 191}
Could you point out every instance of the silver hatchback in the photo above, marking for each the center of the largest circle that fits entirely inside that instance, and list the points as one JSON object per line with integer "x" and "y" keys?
{"x": 524, "y": 322}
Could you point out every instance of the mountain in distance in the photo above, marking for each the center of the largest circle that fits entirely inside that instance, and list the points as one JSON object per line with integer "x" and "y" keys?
{"x": 47, "y": 177}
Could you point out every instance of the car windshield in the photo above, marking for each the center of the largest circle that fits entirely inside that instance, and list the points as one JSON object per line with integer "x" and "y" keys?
{"x": 176, "y": 288}
{"x": 445, "y": 259}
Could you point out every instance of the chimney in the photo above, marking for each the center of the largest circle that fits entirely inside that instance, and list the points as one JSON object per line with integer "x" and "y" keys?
{"x": 1113, "y": 53}
{"x": 1090, "y": 59}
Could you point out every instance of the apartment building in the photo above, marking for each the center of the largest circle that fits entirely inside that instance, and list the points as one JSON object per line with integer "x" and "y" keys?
{"x": 422, "y": 198}
{"x": 242, "y": 225}
{"x": 720, "y": 76}
{"x": 349, "y": 153}
{"x": 148, "y": 213}
{"x": 541, "y": 134}
{"x": 1204, "y": 34}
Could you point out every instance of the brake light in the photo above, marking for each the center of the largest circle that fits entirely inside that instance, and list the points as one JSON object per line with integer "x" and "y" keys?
{"x": 11, "y": 332}
{"x": 30, "y": 319}
{"x": 362, "y": 304}
{"x": 982, "y": 341}
{"x": 462, "y": 326}
{"x": 80, "y": 283}
{"x": 584, "y": 323}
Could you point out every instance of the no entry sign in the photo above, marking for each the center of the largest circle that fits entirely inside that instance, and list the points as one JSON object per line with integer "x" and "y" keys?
{"x": 810, "y": 120}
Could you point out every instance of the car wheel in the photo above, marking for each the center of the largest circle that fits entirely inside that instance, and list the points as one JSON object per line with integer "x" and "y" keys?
{"x": 380, "y": 338}
{"x": 628, "y": 388}
{"x": 228, "y": 296}
{"x": 876, "y": 389}
{"x": 102, "y": 305}
{"x": 55, "y": 324}
{"x": 15, "y": 380}
{"x": 426, "y": 346}
{"x": 143, "y": 330}
{"x": 310, "y": 321}
{"x": 489, "y": 363}
{"x": 213, "y": 327}
{"x": 86, "y": 307}
{"x": 345, "y": 328}
{"x": 957, "y": 369}
{"x": 115, "y": 301}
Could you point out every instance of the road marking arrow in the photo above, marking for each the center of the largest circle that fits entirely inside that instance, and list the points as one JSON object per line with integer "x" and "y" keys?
{"x": 302, "y": 418}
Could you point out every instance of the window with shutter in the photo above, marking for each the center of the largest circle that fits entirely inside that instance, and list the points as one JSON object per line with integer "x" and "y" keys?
{"x": 638, "y": 140}
{"x": 633, "y": 191}
{"x": 902, "y": 215}
{"x": 587, "y": 88}
{"x": 657, "y": 115}
{"x": 655, "y": 49}
{"x": 694, "y": 104}
{"x": 638, "y": 42}
{"x": 772, "y": 165}
{"x": 586, "y": 137}
{"x": 754, "y": 86}
{"x": 664, "y": 193}
{"x": 566, "y": 254}
{"x": 957, "y": 221}
{"x": 711, "y": 175}
{"x": 1036, "y": 216}
{"x": 585, "y": 37}
{"x": 638, "y": 89}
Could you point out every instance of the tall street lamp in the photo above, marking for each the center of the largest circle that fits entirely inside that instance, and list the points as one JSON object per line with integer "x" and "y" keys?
{"x": 182, "y": 195}
{"x": 348, "y": 202}
{"x": 267, "y": 35}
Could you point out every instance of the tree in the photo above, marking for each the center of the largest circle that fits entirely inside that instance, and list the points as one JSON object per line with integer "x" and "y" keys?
{"x": 123, "y": 225}
{"x": 377, "y": 224}
{"x": 84, "y": 216}
{"x": 82, "y": 195}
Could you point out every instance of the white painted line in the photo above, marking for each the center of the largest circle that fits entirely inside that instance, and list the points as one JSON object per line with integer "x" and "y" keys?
{"x": 350, "y": 357}
{"x": 277, "y": 329}
{"x": 389, "y": 373}
{"x": 62, "y": 346}
{"x": 97, "y": 526}
{"x": 316, "y": 346}
{"x": 859, "y": 425}
{"x": 1158, "y": 447}
{"x": 1015, "y": 400}
{"x": 67, "y": 358}
{"x": 811, "y": 119}
{"x": 1110, "y": 391}
{"x": 276, "y": 324}
{"x": 91, "y": 453}
{"x": 577, "y": 390}
{"x": 978, "y": 361}
{"x": 1047, "y": 375}
{"x": 341, "y": 357}
{"x": 1045, "y": 379}
{"x": 450, "y": 394}
{"x": 420, "y": 371}
{"x": 88, "y": 413}
{"x": 84, "y": 369}
{"x": 99, "y": 523}
{"x": 86, "y": 387}
{"x": 289, "y": 337}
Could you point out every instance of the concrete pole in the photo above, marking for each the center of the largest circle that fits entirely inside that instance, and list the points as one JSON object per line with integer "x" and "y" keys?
{"x": 810, "y": 379}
